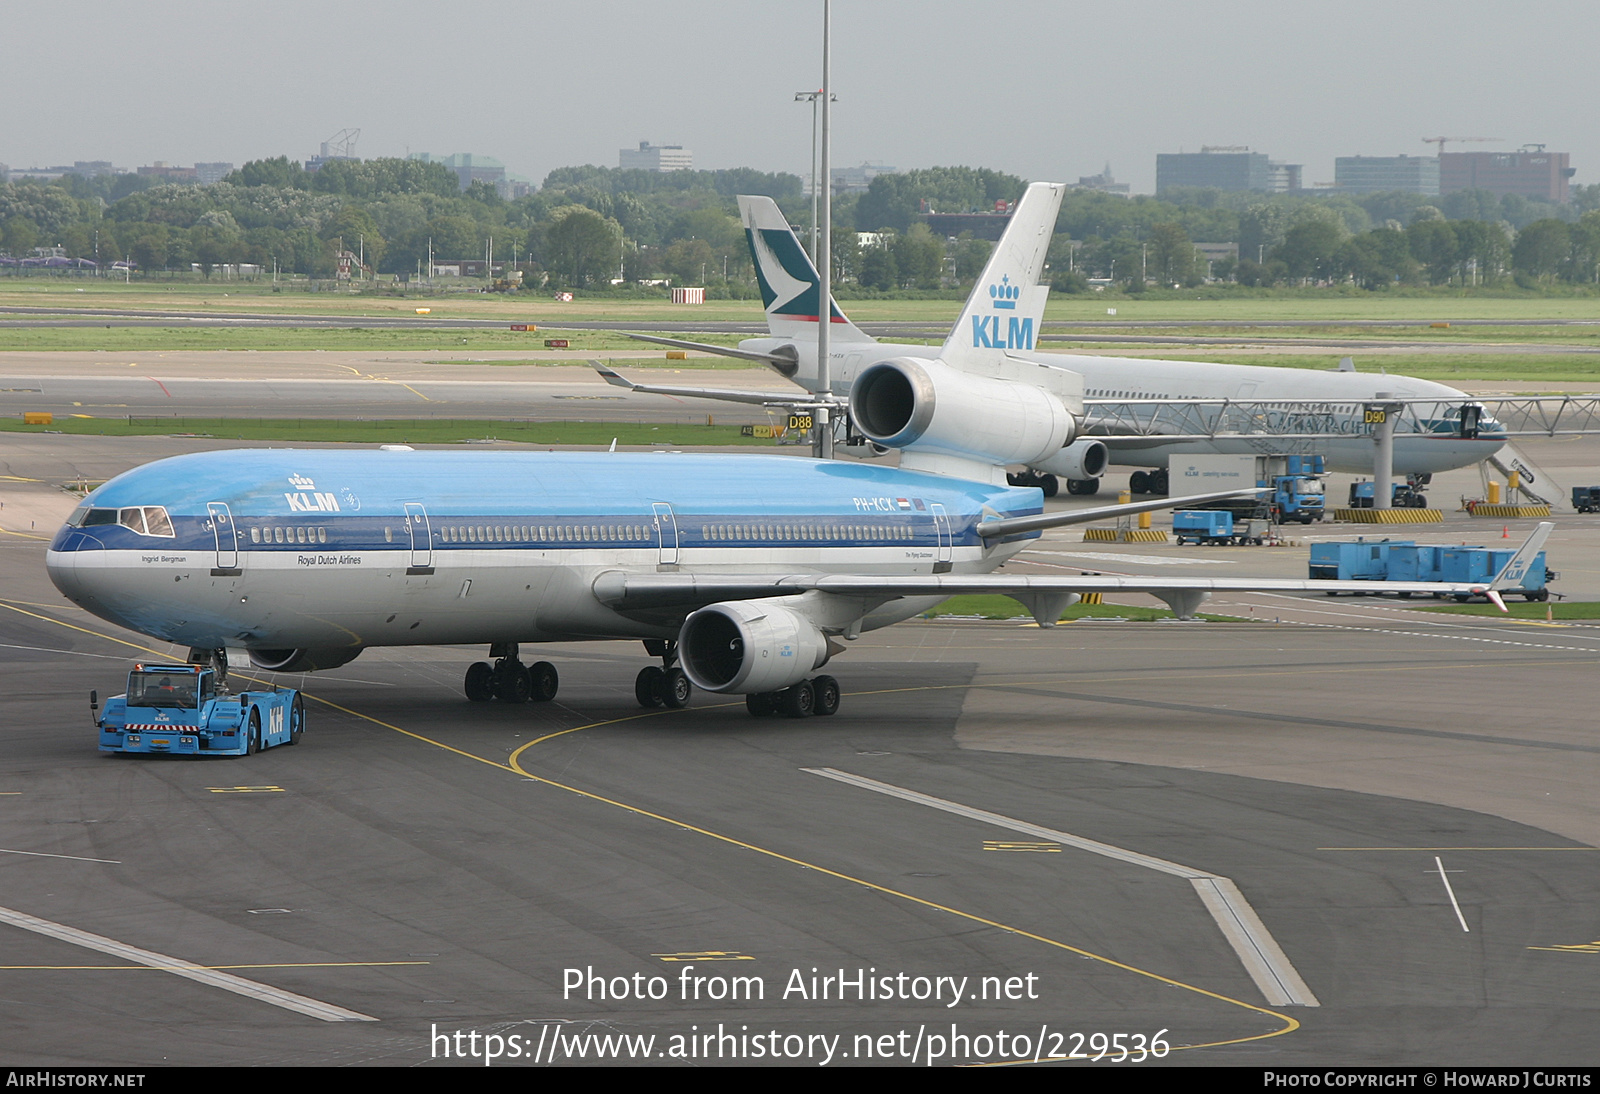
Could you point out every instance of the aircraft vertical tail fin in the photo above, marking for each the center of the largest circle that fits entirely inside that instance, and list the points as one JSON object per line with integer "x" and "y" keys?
{"x": 1006, "y": 307}
{"x": 790, "y": 285}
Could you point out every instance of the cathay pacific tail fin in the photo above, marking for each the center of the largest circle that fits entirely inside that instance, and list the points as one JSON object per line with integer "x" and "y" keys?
{"x": 790, "y": 286}
{"x": 1006, "y": 307}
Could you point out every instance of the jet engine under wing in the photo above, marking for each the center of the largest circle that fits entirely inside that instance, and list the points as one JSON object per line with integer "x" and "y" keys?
{"x": 727, "y": 395}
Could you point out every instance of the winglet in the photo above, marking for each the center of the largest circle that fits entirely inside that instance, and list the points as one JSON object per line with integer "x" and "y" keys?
{"x": 612, "y": 377}
{"x": 1512, "y": 573}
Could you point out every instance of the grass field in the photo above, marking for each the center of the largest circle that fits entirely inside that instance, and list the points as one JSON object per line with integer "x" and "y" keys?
{"x": 397, "y": 431}
{"x": 1559, "y": 610}
{"x": 235, "y": 296}
{"x": 307, "y": 339}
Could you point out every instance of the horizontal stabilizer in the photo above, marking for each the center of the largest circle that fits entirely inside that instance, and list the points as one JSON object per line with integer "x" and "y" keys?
{"x": 726, "y": 395}
{"x": 1010, "y": 526}
{"x": 783, "y": 359}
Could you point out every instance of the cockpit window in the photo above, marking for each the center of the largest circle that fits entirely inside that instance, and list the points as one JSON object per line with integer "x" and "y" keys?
{"x": 77, "y": 515}
{"x": 147, "y": 520}
{"x": 156, "y": 521}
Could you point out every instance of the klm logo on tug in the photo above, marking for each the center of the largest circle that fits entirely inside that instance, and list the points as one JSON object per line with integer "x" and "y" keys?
{"x": 308, "y": 499}
{"x": 1018, "y": 332}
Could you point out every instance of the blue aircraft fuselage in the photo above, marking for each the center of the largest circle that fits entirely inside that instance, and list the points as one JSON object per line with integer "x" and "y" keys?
{"x": 272, "y": 549}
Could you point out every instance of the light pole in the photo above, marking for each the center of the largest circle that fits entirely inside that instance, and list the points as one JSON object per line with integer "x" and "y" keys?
{"x": 813, "y": 97}
{"x": 824, "y": 422}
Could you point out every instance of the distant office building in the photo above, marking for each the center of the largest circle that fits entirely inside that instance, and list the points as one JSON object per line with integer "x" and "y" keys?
{"x": 469, "y": 167}
{"x": 656, "y": 157}
{"x": 1283, "y": 178}
{"x": 38, "y": 174}
{"x": 168, "y": 173}
{"x": 990, "y": 226}
{"x": 1102, "y": 182}
{"x": 1216, "y": 168}
{"x": 207, "y": 173}
{"x": 1374, "y": 174}
{"x": 86, "y": 169}
{"x": 852, "y": 180}
{"x": 1531, "y": 172}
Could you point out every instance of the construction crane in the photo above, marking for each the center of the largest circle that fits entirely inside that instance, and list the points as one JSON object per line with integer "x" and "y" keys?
{"x": 341, "y": 145}
{"x": 1441, "y": 140}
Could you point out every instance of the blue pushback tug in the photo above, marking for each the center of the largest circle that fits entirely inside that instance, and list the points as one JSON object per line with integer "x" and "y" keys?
{"x": 180, "y": 709}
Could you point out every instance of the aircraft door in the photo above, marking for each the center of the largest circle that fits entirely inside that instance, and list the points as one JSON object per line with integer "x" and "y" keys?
{"x": 227, "y": 539}
{"x": 941, "y": 529}
{"x": 666, "y": 525}
{"x": 421, "y": 532}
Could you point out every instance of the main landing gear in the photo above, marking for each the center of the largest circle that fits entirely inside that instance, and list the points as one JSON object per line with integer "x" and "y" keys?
{"x": 819, "y": 695}
{"x": 509, "y": 680}
{"x": 666, "y": 686}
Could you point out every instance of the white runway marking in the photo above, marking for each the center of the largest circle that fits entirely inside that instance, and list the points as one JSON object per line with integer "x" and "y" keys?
{"x": 288, "y": 1000}
{"x": 46, "y": 854}
{"x": 1461, "y": 919}
{"x": 1259, "y": 952}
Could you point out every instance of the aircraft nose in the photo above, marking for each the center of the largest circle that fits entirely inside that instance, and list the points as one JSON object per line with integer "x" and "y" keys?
{"x": 73, "y": 562}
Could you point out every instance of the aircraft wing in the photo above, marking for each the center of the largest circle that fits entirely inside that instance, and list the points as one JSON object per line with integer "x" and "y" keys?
{"x": 727, "y": 395}
{"x": 1044, "y": 596}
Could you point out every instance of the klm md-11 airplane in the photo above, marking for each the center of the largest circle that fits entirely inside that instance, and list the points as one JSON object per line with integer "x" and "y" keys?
{"x": 742, "y": 574}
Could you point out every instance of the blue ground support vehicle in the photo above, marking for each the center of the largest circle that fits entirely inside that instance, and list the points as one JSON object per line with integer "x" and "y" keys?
{"x": 180, "y": 709}
{"x": 1213, "y": 526}
{"x": 1378, "y": 561}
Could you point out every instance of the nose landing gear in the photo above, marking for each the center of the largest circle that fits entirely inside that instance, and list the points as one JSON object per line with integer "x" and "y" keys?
{"x": 666, "y": 686}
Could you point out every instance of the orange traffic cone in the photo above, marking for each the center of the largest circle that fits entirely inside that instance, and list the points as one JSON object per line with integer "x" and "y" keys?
{"x": 1549, "y": 614}
{"x": 1505, "y": 531}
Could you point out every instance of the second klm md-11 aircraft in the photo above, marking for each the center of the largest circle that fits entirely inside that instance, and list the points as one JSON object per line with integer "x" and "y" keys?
{"x": 742, "y": 574}
{"x": 996, "y": 335}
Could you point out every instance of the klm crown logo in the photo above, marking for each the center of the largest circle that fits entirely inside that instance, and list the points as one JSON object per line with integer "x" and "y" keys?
{"x": 1017, "y": 331}
{"x": 301, "y": 482}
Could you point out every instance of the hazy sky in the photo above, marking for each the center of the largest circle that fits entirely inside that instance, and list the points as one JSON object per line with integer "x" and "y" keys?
{"x": 1047, "y": 90}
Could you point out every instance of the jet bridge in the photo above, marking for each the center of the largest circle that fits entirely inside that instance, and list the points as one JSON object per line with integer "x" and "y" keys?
{"x": 1287, "y": 425}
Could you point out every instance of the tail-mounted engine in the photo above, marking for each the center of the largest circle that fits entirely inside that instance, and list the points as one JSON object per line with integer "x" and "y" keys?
{"x": 923, "y": 405}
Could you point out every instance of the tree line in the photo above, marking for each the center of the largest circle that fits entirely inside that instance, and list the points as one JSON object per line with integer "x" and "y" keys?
{"x": 588, "y": 226}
